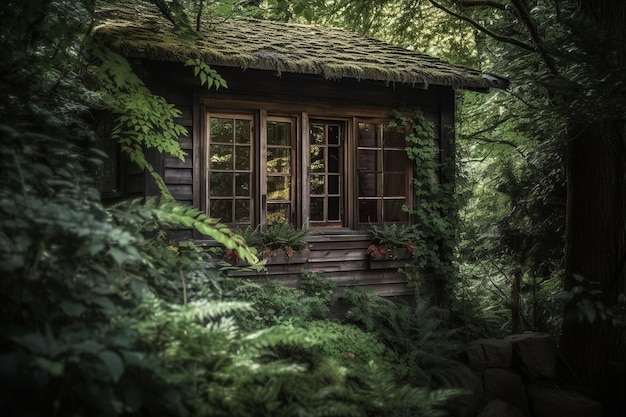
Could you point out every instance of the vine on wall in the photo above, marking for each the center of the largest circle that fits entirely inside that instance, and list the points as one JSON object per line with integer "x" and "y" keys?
{"x": 435, "y": 207}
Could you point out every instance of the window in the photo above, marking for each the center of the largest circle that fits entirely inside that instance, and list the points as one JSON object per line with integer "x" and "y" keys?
{"x": 342, "y": 175}
{"x": 230, "y": 169}
{"x": 325, "y": 173}
{"x": 384, "y": 174}
{"x": 280, "y": 170}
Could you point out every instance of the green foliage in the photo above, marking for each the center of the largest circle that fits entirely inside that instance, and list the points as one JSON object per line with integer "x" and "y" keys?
{"x": 418, "y": 350}
{"x": 320, "y": 290}
{"x": 144, "y": 120}
{"x": 206, "y": 74}
{"x": 345, "y": 343}
{"x": 173, "y": 213}
{"x": 284, "y": 10}
{"x": 274, "y": 303}
{"x": 281, "y": 237}
{"x": 392, "y": 235}
{"x": 587, "y": 296}
{"x": 435, "y": 207}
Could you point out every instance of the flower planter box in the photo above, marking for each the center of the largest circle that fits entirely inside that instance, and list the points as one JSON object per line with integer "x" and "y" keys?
{"x": 279, "y": 258}
{"x": 275, "y": 262}
{"x": 392, "y": 258}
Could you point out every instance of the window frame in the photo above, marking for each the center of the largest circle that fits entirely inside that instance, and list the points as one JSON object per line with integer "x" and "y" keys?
{"x": 380, "y": 197}
{"x": 300, "y": 189}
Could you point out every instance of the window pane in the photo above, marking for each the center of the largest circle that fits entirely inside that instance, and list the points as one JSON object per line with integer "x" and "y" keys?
{"x": 221, "y": 209}
{"x": 279, "y": 133}
{"x": 278, "y": 160}
{"x": 333, "y": 184}
{"x": 395, "y": 161}
{"x": 333, "y": 209}
{"x": 316, "y": 210}
{"x": 242, "y": 184}
{"x": 242, "y": 158}
{"x": 368, "y": 160}
{"x": 221, "y": 130}
{"x": 278, "y": 188}
{"x": 221, "y": 184}
{"x": 317, "y": 184}
{"x": 333, "y": 159}
{"x": 394, "y": 137}
{"x": 368, "y": 184}
{"x": 367, "y": 135}
{"x": 394, "y": 185}
{"x": 317, "y": 134}
{"x": 368, "y": 211}
{"x": 278, "y": 213}
{"x": 333, "y": 135}
{"x": 393, "y": 211}
{"x": 242, "y": 211}
{"x": 221, "y": 156}
{"x": 242, "y": 131}
{"x": 317, "y": 159}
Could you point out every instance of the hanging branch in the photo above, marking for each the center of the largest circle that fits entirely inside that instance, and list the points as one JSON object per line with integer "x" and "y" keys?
{"x": 480, "y": 3}
{"x": 522, "y": 8}
{"x": 502, "y": 38}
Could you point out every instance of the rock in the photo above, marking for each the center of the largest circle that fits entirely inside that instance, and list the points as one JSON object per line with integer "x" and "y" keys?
{"x": 489, "y": 353}
{"x": 534, "y": 355}
{"x": 467, "y": 405}
{"x": 506, "y": 385}
{"x": 556, "y": 402}
{"x": 499, "y": 408}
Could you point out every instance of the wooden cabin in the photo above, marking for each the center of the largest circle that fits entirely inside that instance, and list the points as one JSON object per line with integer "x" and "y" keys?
{"x": 301, "y": 134}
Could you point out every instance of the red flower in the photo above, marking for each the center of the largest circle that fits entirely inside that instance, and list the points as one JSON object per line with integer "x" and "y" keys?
{"x": 231, "y": 256}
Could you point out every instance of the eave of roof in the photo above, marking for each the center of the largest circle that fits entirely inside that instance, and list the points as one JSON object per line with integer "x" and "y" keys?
{"x": 140, "y": 31}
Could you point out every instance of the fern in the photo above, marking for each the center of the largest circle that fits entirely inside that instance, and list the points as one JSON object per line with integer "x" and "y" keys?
{"x": 283, "y": 237}
{"x": 171, "y": 212}
{"x": 417, "y": 346}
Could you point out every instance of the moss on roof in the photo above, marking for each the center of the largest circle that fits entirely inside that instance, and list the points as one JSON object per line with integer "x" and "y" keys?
{"x": 140, "y": 31}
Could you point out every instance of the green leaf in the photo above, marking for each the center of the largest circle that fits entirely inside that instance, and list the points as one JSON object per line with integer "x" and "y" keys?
{"x": 54, "y": 368}
{"x": 113, "y": 363}
{"x": 35, "y": 342}
{"x": 72, "y": 309}
{"x": 107, "y": 305}
{"x": 139, "y": 287}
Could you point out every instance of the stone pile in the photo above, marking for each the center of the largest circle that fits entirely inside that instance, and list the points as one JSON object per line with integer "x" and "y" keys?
{"x": 516, "y": 377}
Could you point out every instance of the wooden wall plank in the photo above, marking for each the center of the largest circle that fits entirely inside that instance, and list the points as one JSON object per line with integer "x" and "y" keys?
{"x": 178, "y": 176}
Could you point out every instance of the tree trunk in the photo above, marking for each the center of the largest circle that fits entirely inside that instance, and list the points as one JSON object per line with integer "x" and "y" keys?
{"x": 596, "y": 249}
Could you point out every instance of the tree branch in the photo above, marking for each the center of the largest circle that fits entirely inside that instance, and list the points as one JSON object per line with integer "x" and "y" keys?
{"x": 501, "y": 38}
{"x": 522, "y": 8}
{"x": 479, "y": 3}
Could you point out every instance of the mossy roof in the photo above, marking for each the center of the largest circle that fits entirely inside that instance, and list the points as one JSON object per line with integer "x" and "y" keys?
{"x": 140, "y": 31}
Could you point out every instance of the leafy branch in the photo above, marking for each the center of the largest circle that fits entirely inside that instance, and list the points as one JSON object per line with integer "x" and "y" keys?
{"x": 207, "y": 75}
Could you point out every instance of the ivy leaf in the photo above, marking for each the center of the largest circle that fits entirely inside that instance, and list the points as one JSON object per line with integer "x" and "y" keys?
{"x": 113, "y": 363}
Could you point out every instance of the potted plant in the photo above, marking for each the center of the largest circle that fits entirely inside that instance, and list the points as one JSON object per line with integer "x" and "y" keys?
{"x": 280, "y": 243}
{"x": 283, "y": 243}
{"x": 391, "y": 242}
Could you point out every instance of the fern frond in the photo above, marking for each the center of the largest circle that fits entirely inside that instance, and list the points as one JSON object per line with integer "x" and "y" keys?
{"x": 173, "y": 212}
